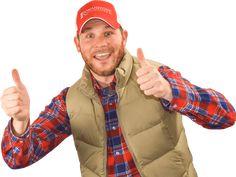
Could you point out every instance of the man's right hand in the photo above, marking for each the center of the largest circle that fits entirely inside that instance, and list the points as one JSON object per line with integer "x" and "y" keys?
{"x": 16, "y": 104}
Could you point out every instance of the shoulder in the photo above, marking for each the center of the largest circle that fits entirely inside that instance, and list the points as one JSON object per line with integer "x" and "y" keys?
{"x": 62, "y": 95}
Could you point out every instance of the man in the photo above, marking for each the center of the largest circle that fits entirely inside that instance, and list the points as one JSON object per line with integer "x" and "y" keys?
{"x": 124, "y": 112}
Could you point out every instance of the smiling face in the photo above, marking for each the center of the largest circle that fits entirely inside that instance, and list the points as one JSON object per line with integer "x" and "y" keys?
{"x": 101, "y": 47}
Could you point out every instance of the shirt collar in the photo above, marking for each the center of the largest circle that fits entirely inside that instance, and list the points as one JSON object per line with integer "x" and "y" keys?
{"x": 122, "y": 75}
{"x": 98, "y": 87}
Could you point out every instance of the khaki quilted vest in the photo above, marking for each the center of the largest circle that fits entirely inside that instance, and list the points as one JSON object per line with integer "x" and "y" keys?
{"x": 155, "y": 137}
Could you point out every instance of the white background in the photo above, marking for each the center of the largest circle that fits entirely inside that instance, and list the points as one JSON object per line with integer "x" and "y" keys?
{"x": 196, "y": 38}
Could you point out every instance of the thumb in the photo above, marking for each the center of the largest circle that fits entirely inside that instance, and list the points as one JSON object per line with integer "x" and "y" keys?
{"x": 16, "y": 78}
{"x": 141, "y": 57}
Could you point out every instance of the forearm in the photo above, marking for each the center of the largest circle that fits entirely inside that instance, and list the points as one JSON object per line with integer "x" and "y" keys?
{"x": 206, "y": 107}
{"x": 19, "y": 152}
{"x": 47, "y": 131}
{"x": 15, "y": 149}
{"x": 214, "y": 112}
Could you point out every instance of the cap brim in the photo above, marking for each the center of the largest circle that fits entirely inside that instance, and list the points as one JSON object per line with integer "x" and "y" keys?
{"x": 113, "y": 25}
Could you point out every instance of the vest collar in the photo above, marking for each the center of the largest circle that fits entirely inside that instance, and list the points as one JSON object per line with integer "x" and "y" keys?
{"x": 122, "y": 74}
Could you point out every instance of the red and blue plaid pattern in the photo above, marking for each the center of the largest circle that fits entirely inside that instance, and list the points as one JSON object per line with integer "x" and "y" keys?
{"x": 204, "y": 106}
{"x": 49, "y": 130}
{"x": 119, "y": 160}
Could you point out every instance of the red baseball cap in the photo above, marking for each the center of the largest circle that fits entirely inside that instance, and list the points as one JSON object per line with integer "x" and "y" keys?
{"x": 97, "y": 9}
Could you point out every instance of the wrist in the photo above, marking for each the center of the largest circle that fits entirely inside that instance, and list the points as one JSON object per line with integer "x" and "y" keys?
{"x": 168, "y": 95}
{"x": 19, "y": 127}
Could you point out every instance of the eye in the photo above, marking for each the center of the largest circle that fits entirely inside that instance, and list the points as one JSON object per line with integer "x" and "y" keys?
{"x": 89, "y": 36}
{"x": 108, "y": 33}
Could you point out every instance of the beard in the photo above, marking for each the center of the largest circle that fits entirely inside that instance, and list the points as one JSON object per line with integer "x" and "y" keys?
{"x": 113, "y": 65}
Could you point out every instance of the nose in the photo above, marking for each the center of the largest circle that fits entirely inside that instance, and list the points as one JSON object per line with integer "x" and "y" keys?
{"x": 101, "y": 42}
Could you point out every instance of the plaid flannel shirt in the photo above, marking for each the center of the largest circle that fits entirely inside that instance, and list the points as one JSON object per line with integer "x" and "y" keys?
{"x": 206, "y": 107}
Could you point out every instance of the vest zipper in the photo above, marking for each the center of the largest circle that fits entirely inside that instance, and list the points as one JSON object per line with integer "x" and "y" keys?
{"x": 105, "y": 145}
{"x": 105, "y": 150}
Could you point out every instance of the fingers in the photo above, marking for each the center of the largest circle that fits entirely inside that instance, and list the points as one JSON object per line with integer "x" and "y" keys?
{"x": 149, "y": 84}
{"x": 12, "y": 112}
{"x": 146, "y": 74}
{"x": 149, "y": 79}
{"x": 11, "y": 104}
{"x": 146, "y": 71}
{"x": 16, "y": 78}
{"x": 143, "y": 71}
{"x": 146, "y": 67}
{"x": 11, "y": 97}
{"x": 141, "y": 58}
{"x": 11, "y": 90}
{"x": 15, "y": 100}
{"x": 153, "y": 88}
{"x": 11, "y": 100}
{"x": 140, "y": 55}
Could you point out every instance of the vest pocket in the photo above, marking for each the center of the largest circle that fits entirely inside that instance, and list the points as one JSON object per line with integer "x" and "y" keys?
{"x": 168, "y": 165}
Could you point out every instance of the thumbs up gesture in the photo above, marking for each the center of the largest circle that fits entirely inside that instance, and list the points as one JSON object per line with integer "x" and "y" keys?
{"x": 150, "y": 80}
{"x": 15, "y": 101}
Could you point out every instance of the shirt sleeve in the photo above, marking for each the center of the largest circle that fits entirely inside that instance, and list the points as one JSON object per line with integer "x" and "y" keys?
{"x": 48, "y": 130}
{"x": 206, "y": 107}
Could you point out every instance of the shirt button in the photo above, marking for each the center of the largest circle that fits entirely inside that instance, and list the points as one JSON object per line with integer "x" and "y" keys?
{"x": 113, "y": 128}
{"x": 110, "y": 104}
{"x": 117, "y": 153}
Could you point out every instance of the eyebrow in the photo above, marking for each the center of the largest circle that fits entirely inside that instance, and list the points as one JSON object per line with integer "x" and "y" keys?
{"x": 108, "y": 26}
{"x": 85, "y": 29}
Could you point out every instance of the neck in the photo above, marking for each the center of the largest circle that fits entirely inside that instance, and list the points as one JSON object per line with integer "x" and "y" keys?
{"x": 104, "y": 81}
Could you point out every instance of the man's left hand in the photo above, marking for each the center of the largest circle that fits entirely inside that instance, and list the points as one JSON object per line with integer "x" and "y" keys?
{"x": 151, "y": 81}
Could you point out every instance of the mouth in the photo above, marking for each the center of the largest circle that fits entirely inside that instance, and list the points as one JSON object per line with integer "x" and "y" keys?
{"x": 102, "y": 56}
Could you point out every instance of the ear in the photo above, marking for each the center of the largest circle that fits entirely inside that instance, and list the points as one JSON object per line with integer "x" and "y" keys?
{"x": 77, "y": 44}
{"x": 125, "y": 36}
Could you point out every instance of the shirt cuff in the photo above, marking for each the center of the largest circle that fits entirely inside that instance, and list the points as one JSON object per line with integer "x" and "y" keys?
{"x": 170, "y": 105}
{"x": 180, "y": 93}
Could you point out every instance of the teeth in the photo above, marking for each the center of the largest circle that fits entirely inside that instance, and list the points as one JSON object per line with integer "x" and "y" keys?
{"x": 102, "y": 54}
